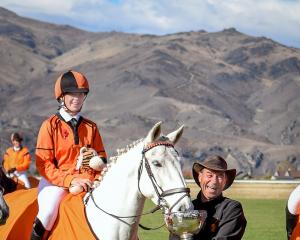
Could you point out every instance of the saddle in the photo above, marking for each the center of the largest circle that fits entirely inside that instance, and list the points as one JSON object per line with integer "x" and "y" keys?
{"x": 71, "y": 222}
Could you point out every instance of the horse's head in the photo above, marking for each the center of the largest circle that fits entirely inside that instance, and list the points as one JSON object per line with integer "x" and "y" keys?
{"x": 160, "y": 173}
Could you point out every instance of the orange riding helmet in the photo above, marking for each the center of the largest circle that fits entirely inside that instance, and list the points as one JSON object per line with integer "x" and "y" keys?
{"x": 71, "y": 82}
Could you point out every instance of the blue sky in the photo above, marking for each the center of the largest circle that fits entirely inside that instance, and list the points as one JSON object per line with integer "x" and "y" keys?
{"x": 275, "y": 19}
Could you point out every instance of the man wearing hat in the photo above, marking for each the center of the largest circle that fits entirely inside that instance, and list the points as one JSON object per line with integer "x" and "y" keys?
{"x": 225, "y": 217}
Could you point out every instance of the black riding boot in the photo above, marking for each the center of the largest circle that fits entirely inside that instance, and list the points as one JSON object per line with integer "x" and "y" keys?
{"x": 38, "y": 231}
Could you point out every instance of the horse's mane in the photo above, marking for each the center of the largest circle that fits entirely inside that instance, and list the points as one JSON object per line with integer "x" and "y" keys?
{"x": 120, "y": 152}
{"x": 124, "y": 150}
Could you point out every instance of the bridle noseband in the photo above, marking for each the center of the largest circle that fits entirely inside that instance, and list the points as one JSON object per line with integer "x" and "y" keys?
{"x": 161, "y": 194}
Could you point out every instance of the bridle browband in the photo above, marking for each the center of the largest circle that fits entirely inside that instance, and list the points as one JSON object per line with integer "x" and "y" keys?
{"x": 161, "y": 194}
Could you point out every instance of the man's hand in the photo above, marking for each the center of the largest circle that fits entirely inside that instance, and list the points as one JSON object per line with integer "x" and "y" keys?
{"x": 11, "y": 170}
{"x": 173, "y": 237}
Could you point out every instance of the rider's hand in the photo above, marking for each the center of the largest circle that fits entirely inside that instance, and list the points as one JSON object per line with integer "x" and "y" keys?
{"x": 84, "y": 183}
{"x": 11, "y": 170}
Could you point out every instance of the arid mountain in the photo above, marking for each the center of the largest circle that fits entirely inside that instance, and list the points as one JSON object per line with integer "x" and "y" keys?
{"x": 237, "y": 95}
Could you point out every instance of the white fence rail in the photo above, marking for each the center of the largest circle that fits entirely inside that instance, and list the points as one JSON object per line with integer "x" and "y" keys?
{"x": 259, "y": 181}
{"x": 255, "y": 189}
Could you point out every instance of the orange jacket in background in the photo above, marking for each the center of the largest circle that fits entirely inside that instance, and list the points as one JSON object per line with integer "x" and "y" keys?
{"x": 18, "y": 159}
{"x": 58, "y": 147}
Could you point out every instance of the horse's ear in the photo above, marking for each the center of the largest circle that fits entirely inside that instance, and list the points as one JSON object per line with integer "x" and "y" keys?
{"x": 174, "y": 136}
{"x": 154, "y": 133}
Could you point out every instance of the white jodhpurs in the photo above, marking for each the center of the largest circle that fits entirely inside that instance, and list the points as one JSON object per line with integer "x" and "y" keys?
{"x": 49, "y": 198}
{"x": 22, "y": 176}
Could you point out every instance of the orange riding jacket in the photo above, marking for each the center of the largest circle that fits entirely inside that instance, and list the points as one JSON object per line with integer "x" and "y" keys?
{"x": 18, "y": 159}
{"x": 58, "y": 147}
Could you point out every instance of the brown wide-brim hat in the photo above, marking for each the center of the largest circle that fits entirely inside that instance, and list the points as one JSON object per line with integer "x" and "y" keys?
{"x": 215, "y": 163}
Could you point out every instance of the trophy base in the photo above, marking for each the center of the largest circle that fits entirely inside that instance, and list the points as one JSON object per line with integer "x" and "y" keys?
{"x": 186, "y": 236}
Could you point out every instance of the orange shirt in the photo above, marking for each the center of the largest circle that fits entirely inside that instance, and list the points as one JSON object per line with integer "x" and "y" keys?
{"x": 18, "y": 159}
{"x": 58, "y": 147}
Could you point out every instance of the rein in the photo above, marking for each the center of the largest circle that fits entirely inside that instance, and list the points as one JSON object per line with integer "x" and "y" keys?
{"x": 162, "y": 203}
{"x": 120, "y": 217}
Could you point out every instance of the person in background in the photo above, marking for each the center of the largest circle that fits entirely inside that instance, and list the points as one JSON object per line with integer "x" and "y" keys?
{"x": 16, "y": 160}
{"x": 58, "y": 146}
{"x": 225, "y": 217}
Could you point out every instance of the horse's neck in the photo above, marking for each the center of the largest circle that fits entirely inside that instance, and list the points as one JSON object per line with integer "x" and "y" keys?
{"x": 118, "y": 194}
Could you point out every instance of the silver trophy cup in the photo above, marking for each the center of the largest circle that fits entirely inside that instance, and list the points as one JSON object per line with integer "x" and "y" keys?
{"x": 185, "y": 224}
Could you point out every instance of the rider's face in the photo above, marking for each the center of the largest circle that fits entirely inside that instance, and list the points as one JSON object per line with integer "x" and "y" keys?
{"x": 74, "y": 102}
{"x": 212, "y": 183}
{"x": 15, "y": 143}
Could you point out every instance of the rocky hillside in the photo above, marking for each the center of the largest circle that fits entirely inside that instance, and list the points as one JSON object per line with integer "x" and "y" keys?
{"x": 237, "y": 95}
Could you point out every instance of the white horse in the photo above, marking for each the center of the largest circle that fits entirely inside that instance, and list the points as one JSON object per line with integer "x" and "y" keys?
{"x": 148, "y": 168}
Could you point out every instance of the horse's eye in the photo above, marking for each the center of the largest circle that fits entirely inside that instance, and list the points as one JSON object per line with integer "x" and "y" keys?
{"x": 156, "y": 163}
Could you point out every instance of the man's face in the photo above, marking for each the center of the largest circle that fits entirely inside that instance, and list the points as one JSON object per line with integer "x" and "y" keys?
{"x": 212, "y": 183}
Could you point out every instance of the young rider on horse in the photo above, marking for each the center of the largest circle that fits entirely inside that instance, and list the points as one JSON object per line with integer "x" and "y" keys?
{"x": 16, "y": 160}
{"x": 59, "y": 141}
